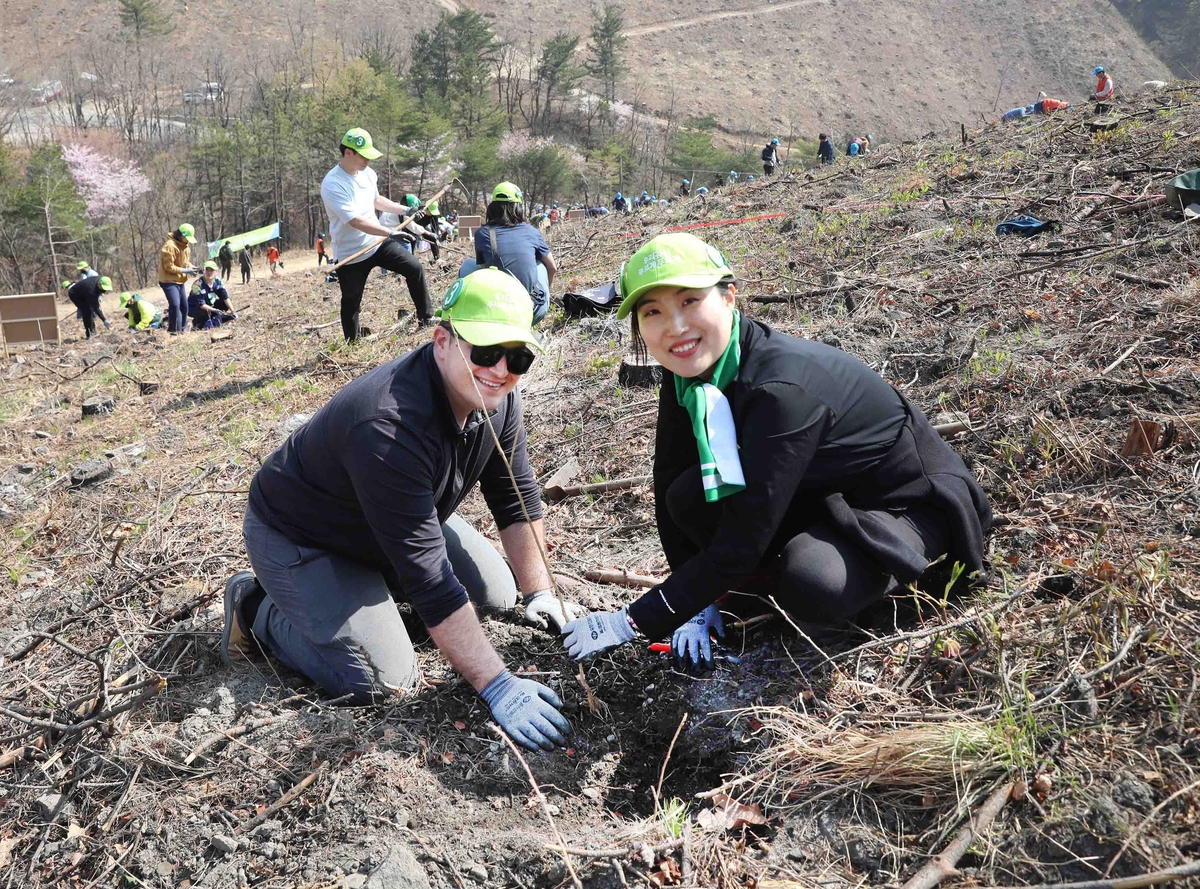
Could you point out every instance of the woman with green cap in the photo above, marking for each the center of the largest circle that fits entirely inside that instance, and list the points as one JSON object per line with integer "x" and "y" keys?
{"x": 509, "y": 243}
{"x": 782, "y": 466}
{"x": 174, "y": 266}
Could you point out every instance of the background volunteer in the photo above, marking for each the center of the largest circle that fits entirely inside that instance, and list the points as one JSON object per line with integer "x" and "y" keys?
{"x": 351, "y": 197}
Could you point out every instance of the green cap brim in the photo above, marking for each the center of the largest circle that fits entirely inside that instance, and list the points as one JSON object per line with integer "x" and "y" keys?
{"x": 491, "y": 333}
{"x": 370, "y": 152}
{"x": 694, "y": 281}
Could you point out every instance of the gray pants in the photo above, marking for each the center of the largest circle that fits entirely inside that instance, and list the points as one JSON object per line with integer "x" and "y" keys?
{"x": 334, "y": 619}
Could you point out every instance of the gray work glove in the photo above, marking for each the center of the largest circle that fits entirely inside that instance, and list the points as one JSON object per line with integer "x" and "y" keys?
{"x": 527, "y": 711}
{"x": 543, "y": 609}
{"x": 188, "y": 270}
{"x": 403, "y": 236}
{"x": 691, "y": 643}
{"x": 597, "y": 632}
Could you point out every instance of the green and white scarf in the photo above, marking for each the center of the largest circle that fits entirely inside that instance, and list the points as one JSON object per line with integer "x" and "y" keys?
{"x": 712, "y": 421}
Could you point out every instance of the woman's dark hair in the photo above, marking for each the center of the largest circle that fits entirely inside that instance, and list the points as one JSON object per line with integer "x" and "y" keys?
{"x": 178, "y": 236}
{"x": 640, "y": 352}
{"x": 505, "y": 213}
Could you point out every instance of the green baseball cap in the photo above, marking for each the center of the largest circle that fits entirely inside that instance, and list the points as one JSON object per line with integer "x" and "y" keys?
{"x": 508, "y": 192}
{"x": 432, "y": 208}
{"x": 209, "y": 264}
{"x": 677, "y": 259}
{"x": 188, "y": 232}
{"x": 83, "y": 264}
{"x": 489, "y": 307}
{"x": 411, "y": 200}
{"x": 360, "y": 140}
{"x": 106, "y": 283}
{"x": 124, "y": 298}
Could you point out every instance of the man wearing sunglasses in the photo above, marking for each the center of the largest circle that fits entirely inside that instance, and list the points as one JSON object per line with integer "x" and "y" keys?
{"x": 358, "y": 507}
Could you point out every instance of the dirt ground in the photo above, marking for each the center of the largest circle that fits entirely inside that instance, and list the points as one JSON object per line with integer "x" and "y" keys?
{"x": 135, "y": 757}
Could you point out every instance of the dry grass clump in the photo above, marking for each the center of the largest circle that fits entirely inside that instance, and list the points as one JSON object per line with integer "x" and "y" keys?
{"x": 803, "y": 755}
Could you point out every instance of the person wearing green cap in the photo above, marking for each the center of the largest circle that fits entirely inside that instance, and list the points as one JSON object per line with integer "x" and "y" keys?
{"x": 140, "y": 312}
{"x": 208, "y": 301}
{"x": 351, "y": 198}
{"x": 507, "y": 242}
{"x": 357, "y": 509}
{"x": 174, "y": 266}
{"x": 84, "y": 270}
{"x": 85, "y": 295}
{"x": 782, "y": 466}
{"x": 422, "y": 217}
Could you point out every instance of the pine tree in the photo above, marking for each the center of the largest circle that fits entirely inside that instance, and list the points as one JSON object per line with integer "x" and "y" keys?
{"x": 605, "y": 62}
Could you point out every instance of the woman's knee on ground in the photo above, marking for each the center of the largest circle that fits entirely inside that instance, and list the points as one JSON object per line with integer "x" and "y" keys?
{"x": 824, "y": 577}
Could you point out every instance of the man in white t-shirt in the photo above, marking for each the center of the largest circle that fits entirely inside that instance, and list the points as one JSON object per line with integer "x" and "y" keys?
{"x": 351, "y": 200}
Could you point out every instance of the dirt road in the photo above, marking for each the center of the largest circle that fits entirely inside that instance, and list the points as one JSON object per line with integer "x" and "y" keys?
{"x": 643, "y": 30}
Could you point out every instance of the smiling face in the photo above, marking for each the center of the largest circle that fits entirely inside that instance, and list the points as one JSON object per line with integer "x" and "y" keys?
{"x": 461, "y": 377}
{"x": 686, "y": 330}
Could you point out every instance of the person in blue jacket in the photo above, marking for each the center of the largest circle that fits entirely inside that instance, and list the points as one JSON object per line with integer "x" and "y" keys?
{"x": 825, "y": 149}
{"x": 208, "y": 302}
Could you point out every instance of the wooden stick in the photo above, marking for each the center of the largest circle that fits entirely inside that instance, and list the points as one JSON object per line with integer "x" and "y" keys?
{"x": 621, "y": 577}
{"x": 555, "y": 494}
{"x": 1138, "y": 279}
{"x": 404, "y": 223}
{"x": 942, "y": 866}
{"x": 270, "y": 810}
{"x": 228, "y": 735}
{"x": 1179, "y": 872}
{"x": 1121, "y": 358}
{"x": 566, "y": 857}
{"x": 662, "y": 775}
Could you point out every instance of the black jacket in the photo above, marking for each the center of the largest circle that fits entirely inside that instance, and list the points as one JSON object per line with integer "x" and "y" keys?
{"x": 825, "y": 152}
{"x": 378, "y": 470}
{"x": 85, "y": 292}
{"x": 821, "y": 437}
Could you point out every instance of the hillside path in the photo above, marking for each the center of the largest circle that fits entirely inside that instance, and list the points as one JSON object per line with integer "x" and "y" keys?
{"x": 642, "y": 30}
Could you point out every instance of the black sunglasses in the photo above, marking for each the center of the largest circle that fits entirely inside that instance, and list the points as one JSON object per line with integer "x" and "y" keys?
{"x": 518, "y": 358}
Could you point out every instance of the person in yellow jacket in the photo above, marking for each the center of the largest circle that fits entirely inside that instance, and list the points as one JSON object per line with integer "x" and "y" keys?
{"x": 140, "y": 312}
{"x": 174, "y": 266}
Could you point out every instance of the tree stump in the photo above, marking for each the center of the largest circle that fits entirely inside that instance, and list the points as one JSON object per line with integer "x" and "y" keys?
{"x": 1103, "y": 124}
{"x": 90, "y": 472}
{"x": 98, "y": 405}
{"x": 636, "y": 373}
{"x": 220, "y": 333}
{"x": 147, "y": 387}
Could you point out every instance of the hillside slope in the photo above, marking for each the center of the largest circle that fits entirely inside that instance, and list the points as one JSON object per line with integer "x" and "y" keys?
{"x": 849, "y": 66}
{"x": 1076, "y": 660}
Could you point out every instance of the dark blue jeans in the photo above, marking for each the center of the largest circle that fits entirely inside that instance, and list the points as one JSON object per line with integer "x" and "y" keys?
{"x": 176, "y": 306}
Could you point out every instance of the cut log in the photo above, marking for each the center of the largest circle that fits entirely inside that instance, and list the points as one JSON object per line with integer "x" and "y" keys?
{"x": 635, "y": 373}
{"x": 220, "y": 333}
{"x": 98, "y": 404}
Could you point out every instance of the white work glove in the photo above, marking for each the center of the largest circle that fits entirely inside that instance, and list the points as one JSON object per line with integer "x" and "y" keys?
{"x": 188, "y": 270}
{"x": 543, "y": 608}
{"x": 597, "y": 632}
{"x": 527, "y": 711}
{"x": 691, "y": 643}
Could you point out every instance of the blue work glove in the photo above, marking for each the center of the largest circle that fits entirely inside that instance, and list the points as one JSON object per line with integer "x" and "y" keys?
{"x": 544, "y": 609}
{"x": 527, "y": 711}
{"x": 691, "y": 643}
{"x": 597, "y": 632}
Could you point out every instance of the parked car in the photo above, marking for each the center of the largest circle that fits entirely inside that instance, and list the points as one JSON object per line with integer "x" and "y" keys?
{"x": 46, "y": 91}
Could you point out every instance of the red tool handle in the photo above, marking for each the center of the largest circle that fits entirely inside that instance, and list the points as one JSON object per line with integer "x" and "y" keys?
{"x": 660, "y": 646}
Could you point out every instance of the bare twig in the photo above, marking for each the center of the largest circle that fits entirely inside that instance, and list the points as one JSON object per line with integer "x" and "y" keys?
{"x": 942, "y": 866}
{"x": 284, "y": 800}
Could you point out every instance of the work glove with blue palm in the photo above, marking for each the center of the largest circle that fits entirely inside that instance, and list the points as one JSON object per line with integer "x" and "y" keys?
{"x": 527, "y": 711}
{"x": 597, "y": 632}
{"x": 692, "y": 643}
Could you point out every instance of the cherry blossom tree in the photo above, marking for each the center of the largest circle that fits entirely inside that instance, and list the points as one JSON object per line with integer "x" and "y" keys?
{"x": 108, "y": 185}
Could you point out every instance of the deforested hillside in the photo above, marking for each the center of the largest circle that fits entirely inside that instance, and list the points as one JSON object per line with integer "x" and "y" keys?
{"x": 895, "y": 68}
{"x": 1040, "y": 728}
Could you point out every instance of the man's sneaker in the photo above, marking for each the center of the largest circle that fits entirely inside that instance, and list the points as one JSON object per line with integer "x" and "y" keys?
{"x": 236, "y": 643}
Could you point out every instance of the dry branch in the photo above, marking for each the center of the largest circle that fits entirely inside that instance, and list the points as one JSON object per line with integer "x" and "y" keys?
{"x": 942, "y": 866}
{"x": 622, "y": 578}
{"x": 554, "y": 495}
{"x": 270, "y": 810}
